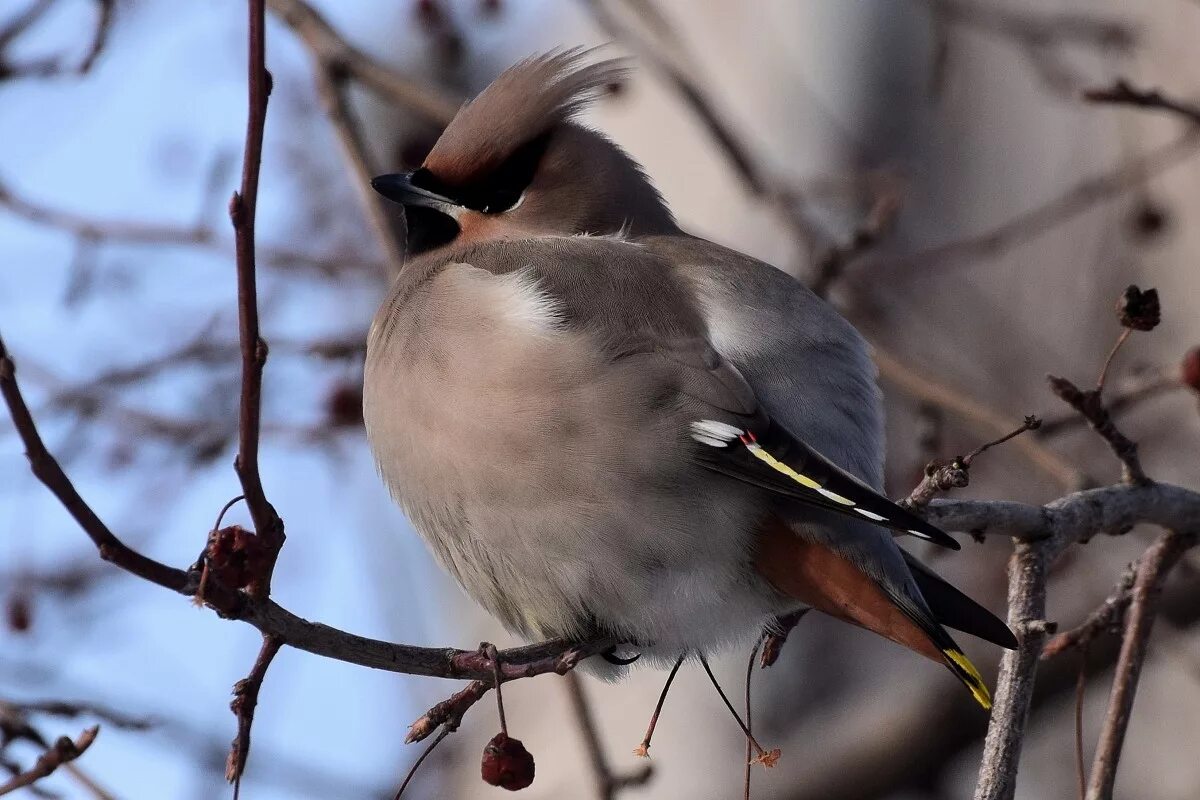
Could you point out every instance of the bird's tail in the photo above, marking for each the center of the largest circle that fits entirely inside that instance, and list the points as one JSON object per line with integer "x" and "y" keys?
{"x": 819, "y": 577}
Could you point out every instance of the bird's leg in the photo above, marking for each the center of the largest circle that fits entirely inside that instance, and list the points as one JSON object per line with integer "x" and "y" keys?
{"x": 765, "y": 757}
{"x": 643, "y": 749}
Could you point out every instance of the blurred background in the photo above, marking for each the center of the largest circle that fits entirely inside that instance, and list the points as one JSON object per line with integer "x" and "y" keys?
{"x": 928, "y": 164}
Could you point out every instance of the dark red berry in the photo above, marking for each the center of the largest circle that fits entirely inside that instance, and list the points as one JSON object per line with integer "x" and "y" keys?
{"x": 1190, "y": 369}
{"x": 506, "y": 763}
{"x": 19, "y": 613}
{"x": 1138, "y": 309}
{"x": 343, "y": 406}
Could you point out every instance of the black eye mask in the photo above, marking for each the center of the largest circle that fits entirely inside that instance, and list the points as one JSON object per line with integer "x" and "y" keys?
{"x": 499, "y": 190}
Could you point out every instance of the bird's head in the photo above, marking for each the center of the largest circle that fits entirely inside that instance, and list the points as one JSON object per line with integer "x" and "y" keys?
{"x": 514, "y": 163}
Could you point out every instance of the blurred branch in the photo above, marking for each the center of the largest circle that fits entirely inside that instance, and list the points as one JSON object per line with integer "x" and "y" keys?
{"x": 334, "y": 54}
{"x": 199, "y": 235}
{"x": 1153, "y": 568}
{"x": 336, "y": 62}
{"x": 1039, "y": 36}
{"x": 1029, "y": 225}
{"x": 756, "y": 180}
{"x": 988, "y": 421}
{"x": 608, "y": 783}
{"x": 1123, "y": 93}
{"x": 15, "y": 725}
{"x": 54, "y": 66}
{"x": 331, "y": 86}
{"x": 63, "y": 751}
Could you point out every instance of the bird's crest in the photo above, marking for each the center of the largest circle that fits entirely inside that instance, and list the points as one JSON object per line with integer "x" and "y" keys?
{"x": 524, "y": 102}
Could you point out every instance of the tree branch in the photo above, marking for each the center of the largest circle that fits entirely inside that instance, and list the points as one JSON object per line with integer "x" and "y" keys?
{"x": 330, "y": 49}
{"x": 1018, "y": 668}
{"x": 242, "y": 207}
{"x": 1153, "y": 568}
{"x": 62, "y": 752}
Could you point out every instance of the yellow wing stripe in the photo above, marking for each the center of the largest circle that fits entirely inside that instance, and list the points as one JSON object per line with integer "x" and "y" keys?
{"x": 805, "y": 481}
{"x": 970, "y": 676}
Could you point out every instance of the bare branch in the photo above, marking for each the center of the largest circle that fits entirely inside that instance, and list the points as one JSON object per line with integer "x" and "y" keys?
{"x": 245, "y": 700}
{"x": 1104, "y": 619}
{"x": 1152, "y": 571}
{"x": 1124, "y": 397}
{"x": 62, "y": 752}
{"x": 1018, "y": 669}
{"x": 199, "y": 235}
{"x": 267, "y": 524}
{"x": 1041, "y": 219}
{"x": 331, "y": 86}
{"x": 1091, "y": 407}
{"x": 942, "y": 476}
{"x": 330, "y": 50}
{"x": 1123, "y": 93}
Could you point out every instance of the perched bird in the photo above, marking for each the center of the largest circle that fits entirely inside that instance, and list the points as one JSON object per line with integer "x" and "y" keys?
{"x": 605, "y": 426}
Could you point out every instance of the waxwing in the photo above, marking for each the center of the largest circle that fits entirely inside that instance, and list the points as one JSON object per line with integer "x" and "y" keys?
{"x": 604, "y": 426}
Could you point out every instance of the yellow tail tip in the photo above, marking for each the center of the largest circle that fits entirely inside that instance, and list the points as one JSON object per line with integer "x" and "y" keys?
{"x": 970, "y": 676}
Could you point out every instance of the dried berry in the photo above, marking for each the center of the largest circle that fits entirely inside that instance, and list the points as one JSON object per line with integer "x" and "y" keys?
{"x": 1149, "y": 221}
{"x": 1190, "y": 369}
{"x": 343, "y": 406}
{"x": 18, "y": 613}
{"x": 1139, "y": 309}
{"x": 235, "y": 556}
{"x": 506, "y": 763}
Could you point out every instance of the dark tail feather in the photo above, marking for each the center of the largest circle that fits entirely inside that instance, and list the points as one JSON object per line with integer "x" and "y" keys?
{"x": 955, "y": 610}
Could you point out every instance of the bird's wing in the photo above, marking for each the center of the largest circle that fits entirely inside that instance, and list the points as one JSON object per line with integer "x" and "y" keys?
{"x": 634, "y": 304}
{"x": 766, "y": 455}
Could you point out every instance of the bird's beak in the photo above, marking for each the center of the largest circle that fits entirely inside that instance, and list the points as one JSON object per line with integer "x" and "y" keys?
{"x": 399, "y": 188}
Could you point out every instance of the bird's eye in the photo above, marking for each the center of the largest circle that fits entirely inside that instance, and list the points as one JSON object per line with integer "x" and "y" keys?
{"x": 504, "y": 188}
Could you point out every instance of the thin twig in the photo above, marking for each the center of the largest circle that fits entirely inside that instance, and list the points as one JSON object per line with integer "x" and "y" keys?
{"x": 942, "y": 476}
{"x": 1106, "y": 618}
{"x": 749, "y": 717}
{"x": 1122, "y": 398}
{"x": 1124, "y": 337}
{"x": 1091, "y": 407}
{"x": 62, "y": 752}
{"x": 1080, "y": 691}
{"x": 245, "y": 700}
{"x": 494, "y": 657}
{"x": 420, "y": 760}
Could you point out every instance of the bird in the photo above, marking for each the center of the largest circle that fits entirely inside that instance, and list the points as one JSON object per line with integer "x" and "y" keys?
{"x": 605, "y": 427}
